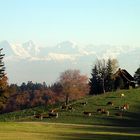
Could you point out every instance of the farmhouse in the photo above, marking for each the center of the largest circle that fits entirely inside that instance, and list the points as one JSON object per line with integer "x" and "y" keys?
{"x": 123, "y": 79}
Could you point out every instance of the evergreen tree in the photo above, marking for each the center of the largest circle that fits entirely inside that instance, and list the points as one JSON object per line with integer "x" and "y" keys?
{"x": 95, "y": 81}
{"x": 101, "y": 80}
{"x": 137, "y": 76}
{"x": 2, "y": 68}
{"x": 108, "y": 78}
{"x": 3, "y": 82}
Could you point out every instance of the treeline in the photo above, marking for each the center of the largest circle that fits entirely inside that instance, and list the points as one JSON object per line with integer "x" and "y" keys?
{"x": 106, "y": 76}
{"x": 101, "y": 80}
{"x": 71, "y": 85}
{"x": 30, "y": 95}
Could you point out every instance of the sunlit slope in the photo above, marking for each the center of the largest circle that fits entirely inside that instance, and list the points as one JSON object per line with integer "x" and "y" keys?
{"x": 116, "y": 116}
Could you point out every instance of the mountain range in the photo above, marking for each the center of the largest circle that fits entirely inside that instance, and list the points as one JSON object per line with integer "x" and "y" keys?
{"x": 31, "y": 62}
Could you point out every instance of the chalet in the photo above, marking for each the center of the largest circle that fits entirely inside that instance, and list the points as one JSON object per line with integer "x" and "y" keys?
{"x": 124, "y": 78}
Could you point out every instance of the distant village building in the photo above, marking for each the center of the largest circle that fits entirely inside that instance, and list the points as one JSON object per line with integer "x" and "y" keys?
{"x": 123, "y": 80}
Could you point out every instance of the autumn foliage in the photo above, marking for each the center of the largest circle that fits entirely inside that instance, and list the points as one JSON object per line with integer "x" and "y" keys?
{"x": 75, "y": 85}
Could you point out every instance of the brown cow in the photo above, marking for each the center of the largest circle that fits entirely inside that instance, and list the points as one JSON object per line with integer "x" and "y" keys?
{"x": 87, "y": 113}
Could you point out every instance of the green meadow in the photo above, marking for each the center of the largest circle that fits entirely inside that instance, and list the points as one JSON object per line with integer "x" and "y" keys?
{"x": 45, "y": 131}
{"x": 73, "y": 124}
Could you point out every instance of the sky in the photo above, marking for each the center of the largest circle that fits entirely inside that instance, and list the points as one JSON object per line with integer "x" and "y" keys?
{"x": 114, "y": 22}
{"x": 106, "y": 23}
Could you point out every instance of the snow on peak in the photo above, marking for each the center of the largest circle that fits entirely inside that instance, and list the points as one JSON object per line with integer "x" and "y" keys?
{"x": 67, "y": 45}
{"x": 31, "y": 47}
{"x": 20, "y": 51}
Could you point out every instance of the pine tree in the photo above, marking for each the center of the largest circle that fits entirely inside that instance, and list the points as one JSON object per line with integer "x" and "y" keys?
{"x": 101, "y": 80}
{"x": 2, "y": 68}
{"x": 3, "y": 83}
{"x": 137, "y": 76}
{"x": 108, "y": 78}
{"x": 95, "y": 82}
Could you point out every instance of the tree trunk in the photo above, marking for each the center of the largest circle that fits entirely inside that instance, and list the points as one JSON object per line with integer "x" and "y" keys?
{"x": 103, "y": 86}
{"x": 67, "y": 99}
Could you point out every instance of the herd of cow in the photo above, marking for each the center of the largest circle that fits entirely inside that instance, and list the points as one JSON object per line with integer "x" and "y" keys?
{"x": 54, "y": 112}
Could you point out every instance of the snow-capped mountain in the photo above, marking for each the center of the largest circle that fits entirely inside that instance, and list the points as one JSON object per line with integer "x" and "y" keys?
{"x": 7, "y": 49}
{"x": 31, "y": 48}
{"x": 28, "y": 61}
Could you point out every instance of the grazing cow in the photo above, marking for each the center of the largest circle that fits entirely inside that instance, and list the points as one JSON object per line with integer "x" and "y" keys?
{"x": 125, "y": 107}
{"x": 37, "y": 116}
{"x": 110, "y": 103}
{"x": 84, "y": 103}
{"x": 103, "y": 111}
{"x": 70, "y": 108}
{"x": 44, "y": 116}
{"x": 100, "y": 110}
{"x": 107, "y": 112}
{"x": 53, "y": 110}
{"x": 64, "y": 107}
{"x": 53, "y": 115}
{"x": 87, "y": 113}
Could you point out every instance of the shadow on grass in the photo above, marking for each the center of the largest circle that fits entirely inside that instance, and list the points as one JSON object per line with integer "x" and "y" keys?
{"x": 111, "y": 97}
{"x": 128, "y": 119}
{"x": 86, "y": 136}
{"x": 113, "y": 129}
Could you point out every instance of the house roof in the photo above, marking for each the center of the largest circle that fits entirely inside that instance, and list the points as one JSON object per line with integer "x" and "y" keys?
{"x": 124, "y": 74}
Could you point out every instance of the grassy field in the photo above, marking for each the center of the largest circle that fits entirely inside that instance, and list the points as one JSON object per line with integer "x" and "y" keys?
{"x": 74, "y": 124}
{"x": 45, "y": 131}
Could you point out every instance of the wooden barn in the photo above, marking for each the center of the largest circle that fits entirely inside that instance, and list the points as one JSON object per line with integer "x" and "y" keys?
{"x": 123, "y": 79}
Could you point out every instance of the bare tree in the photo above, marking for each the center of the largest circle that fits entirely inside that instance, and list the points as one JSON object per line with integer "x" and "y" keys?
{"x": 74, "y": 84}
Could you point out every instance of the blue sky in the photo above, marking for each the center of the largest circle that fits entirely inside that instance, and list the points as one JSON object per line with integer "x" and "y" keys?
{"x": 106, "y": 23}
{"x": 47, "y": 22}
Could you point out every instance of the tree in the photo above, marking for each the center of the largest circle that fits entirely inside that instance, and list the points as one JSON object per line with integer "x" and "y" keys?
{"x": 101, "y": 80}
{"x": 101, "y": 64}
{"x": 137, "y": 76}
{"x": 74, "y": 84}
{"x": 95, "y": 82}
{"x": 108, "y": 78}
{"x": 114, "y": 65}
{"x": 2, "y": 68}
{"x": 3, "y": 82}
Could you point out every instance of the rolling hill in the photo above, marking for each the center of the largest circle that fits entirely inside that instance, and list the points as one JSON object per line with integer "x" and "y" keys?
{"x": 129, "y": 117}
{"x": 73, "y": 124}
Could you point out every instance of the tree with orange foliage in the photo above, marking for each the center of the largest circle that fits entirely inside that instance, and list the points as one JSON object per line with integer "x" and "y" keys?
{"x": 74, "y": 84}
